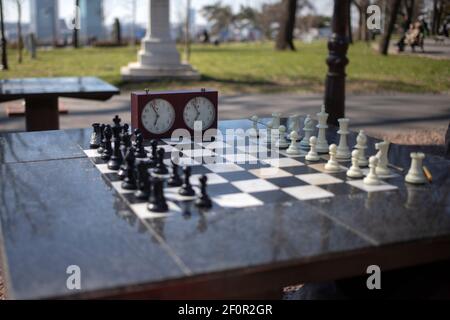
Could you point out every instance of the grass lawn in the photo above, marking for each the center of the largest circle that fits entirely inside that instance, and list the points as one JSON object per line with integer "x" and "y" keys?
{"x": 252, "y": 67}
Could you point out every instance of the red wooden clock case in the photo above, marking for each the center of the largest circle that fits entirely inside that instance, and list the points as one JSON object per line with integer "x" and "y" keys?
{"x": 178, "y": 99}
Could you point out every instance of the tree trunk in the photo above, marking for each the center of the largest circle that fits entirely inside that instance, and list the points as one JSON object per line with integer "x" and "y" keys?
{"x": 285, "y": 37}
{"x": 19, "y": 32}
{"x": 75, "y": 29}
{"x": 337, "y": 61}
{"x": 187, "y": 39}
{"x": 384, "y": 45}
{"x": 349, "y": 24}
{"x": 4, "y": 62}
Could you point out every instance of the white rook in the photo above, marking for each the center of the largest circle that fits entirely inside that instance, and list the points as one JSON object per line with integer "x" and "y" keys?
{"x": 158, "y": 57}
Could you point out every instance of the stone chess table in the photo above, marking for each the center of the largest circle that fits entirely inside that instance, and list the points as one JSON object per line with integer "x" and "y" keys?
{"x": 41, "y": 96}
{"x": 58, "y": 210}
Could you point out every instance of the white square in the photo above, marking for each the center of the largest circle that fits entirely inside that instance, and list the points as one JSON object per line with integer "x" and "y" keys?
{"x": 175, "y": 141}
{"x": 318, "y": 179}
{"x": 183, "y": 161}
{"x": 321, "y": 167}
{"x": 118, "y": 186}
{"x": 140, "y": 209}
{"x": 212, "y": 179}
{"x": 103, "y": 168}
{"x": 240, "y": 158}
{"x": 368, "y": 188}
{"x": 237, "y": 200}
{"x": 198, "y": 153}
{"x": 302, "y": 154}
{"x": 308, "y": 192}
{"x": 254, "y": 185}
{"x": 91, "y": 153}
{"x": 223, "y": 167}
{"x": 252, "y": 149}
{"x": 272, "y": 172}
{"x": 283, "y": 162}
{"x": 173, "y": 195}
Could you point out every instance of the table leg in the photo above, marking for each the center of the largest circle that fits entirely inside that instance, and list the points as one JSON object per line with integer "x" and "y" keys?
{"x": 41, "y": 113}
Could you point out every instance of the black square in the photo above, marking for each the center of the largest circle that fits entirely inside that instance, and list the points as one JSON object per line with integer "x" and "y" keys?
{"x": 340, "y": 175}
{"x": 251, "y": 166}
{"x": 286, "y": 182}
{"x": 237, "y": 175}
{"x": 199, "y": 170}
{"x": 98, "y": 160}
{"x": 221, "y": 189}
{"x": 300, "y": 170}
{"x": 275, "y": 196}
{"x": 341, "y": 189}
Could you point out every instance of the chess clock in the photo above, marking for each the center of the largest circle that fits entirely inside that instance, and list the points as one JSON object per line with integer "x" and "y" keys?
{"x": 158, "y": 114}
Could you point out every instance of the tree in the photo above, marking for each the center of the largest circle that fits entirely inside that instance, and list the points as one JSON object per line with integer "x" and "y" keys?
{"x": 75, "y": 26}
{"x": 19, "y": 31}
{"x": 4, "y": 62}
{"x": 220, "y": 16}
{"x": 285, "y": 38}
{"x": 270, "y": 16}
{"x": 362, "y": 5}
{"x": 384, "y": 45}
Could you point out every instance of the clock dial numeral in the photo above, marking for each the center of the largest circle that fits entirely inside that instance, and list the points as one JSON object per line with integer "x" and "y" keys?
{"x": 199, "y": 109}
{"x": 158, "y": 116}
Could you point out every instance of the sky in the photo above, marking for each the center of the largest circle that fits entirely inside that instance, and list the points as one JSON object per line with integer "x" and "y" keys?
{"x": 122, "y": 9}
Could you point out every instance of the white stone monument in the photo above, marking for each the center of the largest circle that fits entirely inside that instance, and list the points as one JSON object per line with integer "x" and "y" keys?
{"x": 158, "y": 57}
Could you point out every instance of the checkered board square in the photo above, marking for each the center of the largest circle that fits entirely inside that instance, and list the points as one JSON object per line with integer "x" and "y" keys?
{"x": 239, "y": 176}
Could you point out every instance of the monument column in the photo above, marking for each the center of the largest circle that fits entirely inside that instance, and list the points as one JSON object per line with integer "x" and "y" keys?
{"x": 158, "y": 57}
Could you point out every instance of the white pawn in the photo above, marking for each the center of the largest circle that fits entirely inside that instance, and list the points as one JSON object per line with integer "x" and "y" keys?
{"x": 312, "y": 154}
{"x": 361, "y": 145}
{"x": 332, "y": 164}
{"x": 355, "y": 171}
{"x": 282, "y": 143}
{"x": 293, "y": 147}
{"x": 254, "y": 129}
{"x": 308, "y": 128}
{"x": 343, "y": 152}
{"x": 415, "y": 174}
{"x": 372, "y": 178}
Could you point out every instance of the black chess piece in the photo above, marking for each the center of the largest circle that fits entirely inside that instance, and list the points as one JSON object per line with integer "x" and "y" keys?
{"x": 154, "y": 153}
{"x": 203, "y": 201}
{"x": 186, "y": 189}
{"x": 95, "y": 136}
{"x": 175, "y": 179}
{"x": 140, "y": 151}
{"x": 125, "y": 128}
{"x": 115, "y": 161}
{"x": 136, "y": 132}
{"x": 125, "y": 144}
{"x": 129, "y": 182}
{"x": 157, "y": 201}
{"x": 160, "y": 169}
{"x": 107, "y": 150}
{"x": 102, "y": 136}
{"x": 143, "y": 181}
{"x": 117, "y": 122}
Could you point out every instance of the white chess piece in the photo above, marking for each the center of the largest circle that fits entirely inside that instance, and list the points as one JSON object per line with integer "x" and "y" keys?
{"x": 322, "y": 143}
{"x": 382, "y": 155}
{"x": 308, "y": 129}
{"x": 361, "y": 146}
{"x": 269, "y": 132}
{"x": 343, "y": 152}
{"x": 254, "y": 130}
{"x": 282, "y": 143}
{"x": 293, "y": 147}
{"x": 294, "y": 123}
{"x": 276, "y": 120}
{"x": 332, "y": 165}
{"x": 355, "y": 171}
{"x": 415, "y": 174}
{"x": 312, "y": 154}
{"x": 372, "y": 178}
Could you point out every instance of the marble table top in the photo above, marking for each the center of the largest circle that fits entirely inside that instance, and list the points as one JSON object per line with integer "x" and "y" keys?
{"x": 56, "y": 210}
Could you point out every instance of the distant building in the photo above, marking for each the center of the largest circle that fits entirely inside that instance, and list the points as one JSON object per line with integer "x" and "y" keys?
{"x": 91, "y": 20}
{"x": 44, "y": 20}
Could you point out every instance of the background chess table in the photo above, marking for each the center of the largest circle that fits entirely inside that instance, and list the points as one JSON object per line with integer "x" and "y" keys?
{"x": 61, "y": 207}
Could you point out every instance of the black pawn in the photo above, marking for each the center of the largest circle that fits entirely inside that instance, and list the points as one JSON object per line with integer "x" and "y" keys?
{"x": 117, "y": 121}
{"x": 143, "y": 181}
{"x": 116, "y": 158}
{"x": 174, "y": 179}
{"x": 161, "y": 168}
{"x": 102, "y": 136}
{"x": 140, "y": 151}
{"x": 154, "y": 153}
{"x": 95, "y": 136}
{"x": 203, "y": 201}
{"x": 157, "y": 201}
{"x": 186, "y": 189}
{"x": 129, "y": 182}
{"x": 107, "y": 150}
{"x": 125, "y": 128}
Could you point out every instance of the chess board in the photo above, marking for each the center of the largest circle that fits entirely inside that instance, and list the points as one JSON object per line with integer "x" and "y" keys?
{"x": 244, "y": 173}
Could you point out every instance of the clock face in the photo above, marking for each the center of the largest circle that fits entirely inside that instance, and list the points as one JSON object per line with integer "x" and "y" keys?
{"x": 199, "y": 109}
{"x": 158, "y": 116}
